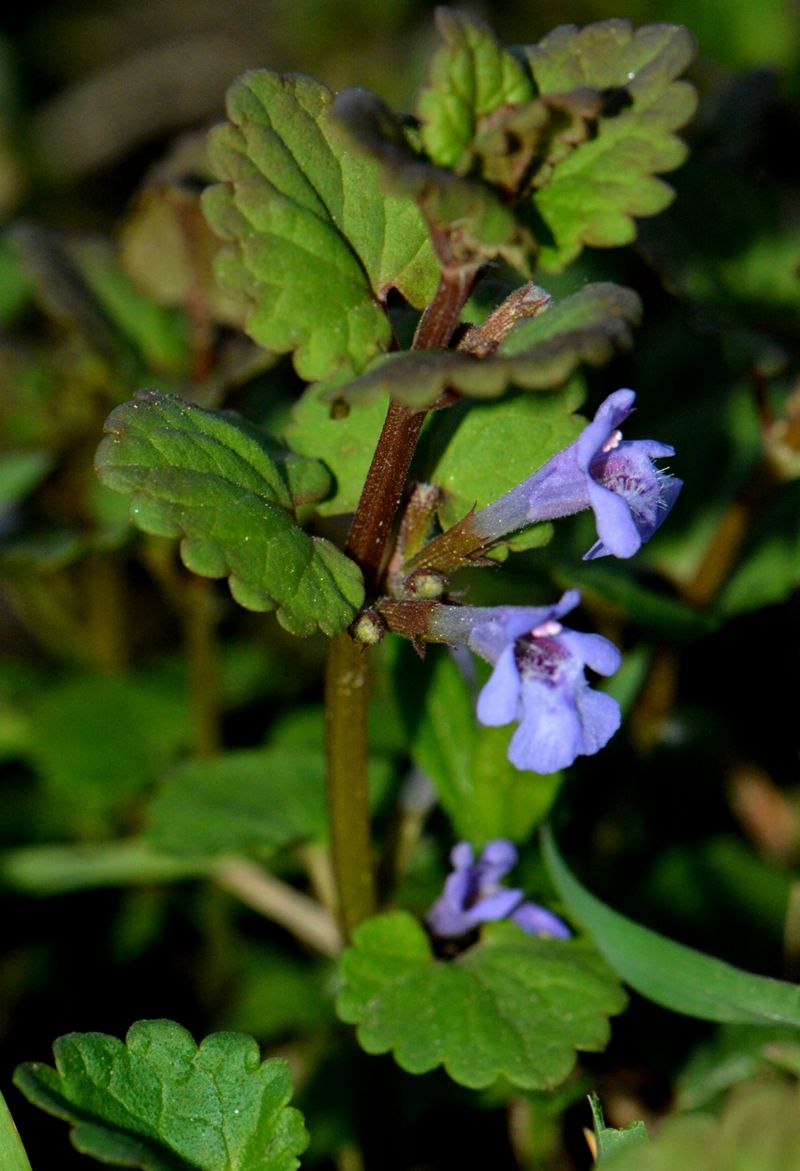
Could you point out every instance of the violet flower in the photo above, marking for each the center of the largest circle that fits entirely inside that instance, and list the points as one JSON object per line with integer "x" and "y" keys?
{"x": 538, "y": 678}
{"x": 616, "y": 478}
{"x": 473, "y": 894}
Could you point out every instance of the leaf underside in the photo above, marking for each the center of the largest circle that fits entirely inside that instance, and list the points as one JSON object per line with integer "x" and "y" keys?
{"x": 539, "y": 353}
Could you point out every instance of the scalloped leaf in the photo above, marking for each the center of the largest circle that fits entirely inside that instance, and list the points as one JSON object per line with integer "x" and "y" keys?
{"x": 471, "y": 76}
{"x": 469, "y": 223}
{"x": 212, "y": 480}
{"x": 540, "y": 353}
{"x": 511, "y": 1006}
{"x": 162, "y": 1103}
{"x": 315, "y": 245}
{"x": 594, "y": 193}
{"x": 481, "y": 114}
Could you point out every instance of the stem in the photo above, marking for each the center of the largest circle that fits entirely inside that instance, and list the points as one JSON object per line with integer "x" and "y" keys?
{"x": 280, "y": 903}
{"x": 346, "y": 697}
{"x": 388, "y": 473}
{"x": 384, "y": 486}
{"x": 346, "y": 691}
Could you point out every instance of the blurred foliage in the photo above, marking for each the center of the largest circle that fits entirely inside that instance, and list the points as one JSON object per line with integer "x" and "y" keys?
{"x": 121, "y": 676}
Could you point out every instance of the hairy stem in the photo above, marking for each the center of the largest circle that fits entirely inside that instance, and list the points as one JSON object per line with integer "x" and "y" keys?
{"x": 346, "y": 684}
{"x": 388, "y": 473}
{"x": 383, "y": 488}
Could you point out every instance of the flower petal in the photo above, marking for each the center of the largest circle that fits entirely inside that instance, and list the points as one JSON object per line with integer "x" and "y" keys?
{"x": 616, "y": 527}
{"x": 549, "y": 736}
{"x": 613, "y": 411}
{"x": 498, "y": 703}
{"x": 538, "y": 920}
{"x": 593, "y": 650}
{"x": 599, "y": 716}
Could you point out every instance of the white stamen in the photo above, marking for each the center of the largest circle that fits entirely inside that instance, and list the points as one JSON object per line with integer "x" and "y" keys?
{"x": 614, "y": 440}
{"x": 547, "y": 629}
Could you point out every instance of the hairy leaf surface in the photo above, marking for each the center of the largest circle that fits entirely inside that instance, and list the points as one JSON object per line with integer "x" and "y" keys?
{"x": 162, "y": 1103}
{"x": 469, "y": 222}
{"x": 315, "y": 244}
{"x": 213, "y": 481}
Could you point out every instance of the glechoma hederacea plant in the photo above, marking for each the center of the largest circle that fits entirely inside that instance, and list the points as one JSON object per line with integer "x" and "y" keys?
{"x": 393, "y": 257}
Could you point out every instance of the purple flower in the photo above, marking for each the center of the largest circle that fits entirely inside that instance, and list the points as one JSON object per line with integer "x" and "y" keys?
{"x": 473, "y": 894}
{"x": 616, "y": 478}
{"x": 538, "y": 678}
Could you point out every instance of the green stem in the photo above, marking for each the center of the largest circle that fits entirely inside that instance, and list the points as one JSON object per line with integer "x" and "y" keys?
{"x": 346, "y": 698}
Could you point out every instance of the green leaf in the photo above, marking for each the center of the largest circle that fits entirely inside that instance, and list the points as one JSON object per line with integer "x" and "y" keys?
{"x": 315, "y": 244}
{"x": 50, "y": 870}
{"x": 246, "y": 800}
{"x": 513, "y": 437}
{"x": 481, "y": 115}
{"x": 669, "y": 973}
{"x": 346, "y": 443}
{"x": 540, "y": 353}
{"x": 469, "y": 222}
{"x": 213, "y": 480}
{"x": 20, "y": 473}
{"x": 511, "y": 1006}
{"x": 470, "y": 77}
{"x": 483, "y": 794}
{"x": 161, "y": 1103}
{"x": 97, "y": 741}
{"x": 757, "y": 1131}
{"x": 611, "y": 1139}
{"x": 595, "y": 191}
{"x": 12, "y": 1152}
